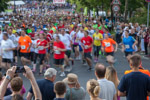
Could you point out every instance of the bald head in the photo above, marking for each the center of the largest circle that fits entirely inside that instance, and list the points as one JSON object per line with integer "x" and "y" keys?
{"x": 100, "y": 70}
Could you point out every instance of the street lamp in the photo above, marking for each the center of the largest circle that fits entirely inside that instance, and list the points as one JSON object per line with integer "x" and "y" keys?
{"x": 14, "y": 6}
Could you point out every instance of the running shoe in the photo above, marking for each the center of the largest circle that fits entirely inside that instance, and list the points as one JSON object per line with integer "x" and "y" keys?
{"x": 62, "y": 74}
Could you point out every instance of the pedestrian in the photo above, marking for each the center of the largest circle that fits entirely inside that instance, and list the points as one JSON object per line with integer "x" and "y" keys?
{"x": 74, "y": 91}
{"x": 135, "y": 85}
{"x": 108, "y": 90}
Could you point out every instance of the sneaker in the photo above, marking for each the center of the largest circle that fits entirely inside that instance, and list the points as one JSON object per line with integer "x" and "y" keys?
{"x": 69, "y": 69}
{"x": 62, "y": 74}
{"x": 89, "y": 69}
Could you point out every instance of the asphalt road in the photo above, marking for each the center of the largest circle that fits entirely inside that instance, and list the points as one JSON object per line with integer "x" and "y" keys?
{"x": 81, "y": 70}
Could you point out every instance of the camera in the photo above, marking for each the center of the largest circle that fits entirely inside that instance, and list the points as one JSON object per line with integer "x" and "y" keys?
{"x": 20, "y": 69}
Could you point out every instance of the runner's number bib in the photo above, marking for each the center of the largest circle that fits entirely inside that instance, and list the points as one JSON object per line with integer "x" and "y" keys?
{"x": 23, "y": 47}
{"x": 57, "y": 52}
{"x": 107, "y": 44}
{"x": 127, "y": 46}
{"x": 40, "y": 47}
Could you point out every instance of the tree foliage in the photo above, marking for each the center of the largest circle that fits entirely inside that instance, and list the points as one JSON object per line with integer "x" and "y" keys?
{"x": 3, "y": 5}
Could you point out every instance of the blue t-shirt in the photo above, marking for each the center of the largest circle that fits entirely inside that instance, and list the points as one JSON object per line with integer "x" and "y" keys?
{"x": 128, "y": 42}
{"x": 9, "y": 97}
{"x": 47, "y": 89}
{"x": 59, "y": 99}
{"x": 136, "y": 85}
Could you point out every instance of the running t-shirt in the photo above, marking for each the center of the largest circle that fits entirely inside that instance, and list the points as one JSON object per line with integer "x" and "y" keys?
{"x": 87, "y": 41}
{"x": 108, "y": 45}
{"x": 141, "y": 70}
{"x": 58, "y": 54}
{"x": 96, "y": 38}
{"x": 24, "y": 43}
{"x": 128, "y": 42}
{"x": 41, "y": 45}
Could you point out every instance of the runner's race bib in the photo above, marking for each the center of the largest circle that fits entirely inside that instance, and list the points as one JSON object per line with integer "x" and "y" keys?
{"x": 127, "y": 46}
{"x": 23, "y": 47}
{"x": 96, "y": 38}
{"x": 40, "y": 47}
{"x": 57, "y": 52}
{"x": 107, "y": 44}
{"x": 86, "y": 47}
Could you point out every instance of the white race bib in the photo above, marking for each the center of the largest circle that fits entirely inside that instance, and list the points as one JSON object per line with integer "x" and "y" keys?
{"x": 127, "y": 46}
{"x": 40, "y": 47}
{"x": 107, "y": 44}
{"x": 86, "y": 47}
{"x": 23, "y": 47}
{"x": 96, "y": 38}
{"x": 57, "y": 52}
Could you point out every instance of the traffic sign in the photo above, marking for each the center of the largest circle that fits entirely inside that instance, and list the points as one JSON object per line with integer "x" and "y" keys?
{"x": 116, "y": 2}
{"x": 147, "y": 0}
{"x": 115, "y": 8}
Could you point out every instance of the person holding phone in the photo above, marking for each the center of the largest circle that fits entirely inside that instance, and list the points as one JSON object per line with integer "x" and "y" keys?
{"x": 16, "y": 83}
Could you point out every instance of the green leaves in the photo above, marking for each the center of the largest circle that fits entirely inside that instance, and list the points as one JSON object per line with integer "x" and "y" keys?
{"x": 3, "y": 5}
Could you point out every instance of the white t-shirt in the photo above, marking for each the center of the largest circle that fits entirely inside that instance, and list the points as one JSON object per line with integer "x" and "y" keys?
{"x": 7, "y": 44}
{"x": 80, "y": 35}
{"x": 54, "y": 36}
{"x": 16, "y": 41}
{"x": 12, "y": 37}
{"x": 34, "y": 43}
{"x": 66, "y": 40}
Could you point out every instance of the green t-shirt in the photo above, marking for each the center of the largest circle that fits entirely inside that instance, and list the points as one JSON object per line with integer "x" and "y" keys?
{"x": 29, "y": 31}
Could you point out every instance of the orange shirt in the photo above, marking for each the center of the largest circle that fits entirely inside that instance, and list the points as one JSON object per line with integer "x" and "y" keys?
{"x": 141, "y": 70}
{"x": 24, "y": 43}
{"x": 108, "y": 45}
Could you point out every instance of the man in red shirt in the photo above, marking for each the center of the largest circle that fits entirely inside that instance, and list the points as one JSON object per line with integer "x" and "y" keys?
{"x": 87, "y": 43}
{"x": 59, "y": 54}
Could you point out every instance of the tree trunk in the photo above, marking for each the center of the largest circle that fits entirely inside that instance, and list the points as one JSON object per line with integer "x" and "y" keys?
{"x": 126, "y": 11}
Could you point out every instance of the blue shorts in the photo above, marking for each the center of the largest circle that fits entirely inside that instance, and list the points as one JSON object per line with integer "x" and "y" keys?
{"x": 80, "y": 48}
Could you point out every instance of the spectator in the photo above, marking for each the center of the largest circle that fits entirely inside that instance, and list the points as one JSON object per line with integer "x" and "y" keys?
{"x": 16, "y": 83}
{"x": 135, "y": 85}
{"x": 108, "y": 90}
{"x": 46, "y": 85}
{"x": 17, "y": 97}
{"x": 111, "y": 75}
{"x": 93, "y": 89}
{"x": 60, "y": 90}
{"x": 74, "y": 92}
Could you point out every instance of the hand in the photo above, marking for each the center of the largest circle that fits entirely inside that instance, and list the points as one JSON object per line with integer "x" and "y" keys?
{"x": 28, "y": 73}
{"x": 58, "y": 49}
{"x": 11, "y": 72}
{"x": 6, "y": 50}
{"x": 133, "y": 46}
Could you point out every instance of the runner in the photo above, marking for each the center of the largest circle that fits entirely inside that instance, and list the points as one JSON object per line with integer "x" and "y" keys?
{"x": 42, "y": 45}
{"x": 108, "y": 48}
{"x": 1, "y": 38}
{"x": 97, "y": 37}
{"x": 59, "y": 54}
{"x": 7, "y": 47}
{"x": 25, "y": 44}
{"x": 87, "y": 43}
{"x": 129, "y": 44}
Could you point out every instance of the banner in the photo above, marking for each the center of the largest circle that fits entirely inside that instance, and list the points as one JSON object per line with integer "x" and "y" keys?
{"x": 59, "y": 1}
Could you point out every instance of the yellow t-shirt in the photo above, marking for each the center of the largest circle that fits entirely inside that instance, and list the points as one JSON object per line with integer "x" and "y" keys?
{"x": 96, "y": 38}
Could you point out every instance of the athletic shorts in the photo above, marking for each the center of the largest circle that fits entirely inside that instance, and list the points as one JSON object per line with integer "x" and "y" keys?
{"x": 25, "y": 55}
{"x": 41, "y": 56}
{"x": 68, "y": 53}
{"x": 59, "y": 61}
{"x": 47, "y": 50}
{"x": 15, "y": 52}
{"x": 4, "y": 60}
{"x": 74, "y": 47}
{"x": 32, "y": 56}
{"x": 109, "y": 53}
{"x": 80, "y": 48}
{"x": 128, "y": 53}
{"x": 88, "y": 55}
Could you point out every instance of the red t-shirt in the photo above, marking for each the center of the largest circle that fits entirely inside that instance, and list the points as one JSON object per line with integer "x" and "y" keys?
{"x": 41, "y": 45}
{"x": 49, "y": 39}
{"x": 31, "y": 35}
{"x": 87, "y": 41}
{"x": 58, "y": 54}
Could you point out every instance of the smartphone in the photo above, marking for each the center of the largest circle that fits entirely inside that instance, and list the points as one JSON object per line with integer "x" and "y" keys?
{"x": 20, "y": 69}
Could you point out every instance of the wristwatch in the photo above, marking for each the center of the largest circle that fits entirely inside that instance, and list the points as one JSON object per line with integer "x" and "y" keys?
{"x": 8, "y": 77}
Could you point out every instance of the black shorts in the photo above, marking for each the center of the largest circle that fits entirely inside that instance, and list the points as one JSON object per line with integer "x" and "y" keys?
{"x": 15, "y": 52}
{"x": 4, "y": 60}
{"x": 32, "y": 56}
{"x": 68, "y": 53}
{"x": 41, "y": 56}
{"x": 25, "y": 55}
{"x": 58, "y": 61}
{"x": 109, "y": 53}
{"x": 128, "y": 53}
{"x": 87, "y": 55}
{"x": 74, "y": 47}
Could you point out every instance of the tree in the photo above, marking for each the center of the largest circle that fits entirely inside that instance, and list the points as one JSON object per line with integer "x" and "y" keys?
{"x": 3, "y": 5}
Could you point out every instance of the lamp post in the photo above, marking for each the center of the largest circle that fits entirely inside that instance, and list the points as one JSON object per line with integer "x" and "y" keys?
{"x": 14, "y": 6}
